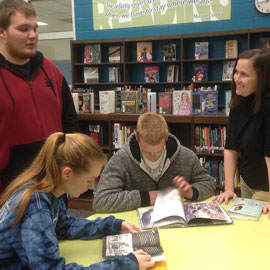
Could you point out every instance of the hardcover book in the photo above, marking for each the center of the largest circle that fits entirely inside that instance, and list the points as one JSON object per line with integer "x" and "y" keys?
{"x": 182, "y": 102}
{"x": 151, "y": 74}
{"x": 107, "y": 101}
{"x": 165, "y": 102}
{"x": 123, "y": 244}
{"x": 144, "y": 51}
{"x": 114, "y": 74}
{"x": 115, "y": 54}
{"x": 200, "y": 72}
{"x": 201, "y": 50}
{"x": 248, "y": 209}
{"x": 196, "y": 102}
{"x": 231, "y": 49}
{"x": 209, "y": 102}
{"x": 129, "y": 101}
{"x": 96, "y": 132}
{"x": 92, "y": 53}
{"x": 169, "y": 211}
{"x": 170, "y": 73}
{"x": 169, "y": 52}
{"x": 91, "y": 75}
{"x": 227, "y": 70}
{"x": 152, "y": 102}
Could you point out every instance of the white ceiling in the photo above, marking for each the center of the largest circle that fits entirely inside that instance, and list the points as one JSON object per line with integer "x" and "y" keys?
{"x": 57, "y": 13}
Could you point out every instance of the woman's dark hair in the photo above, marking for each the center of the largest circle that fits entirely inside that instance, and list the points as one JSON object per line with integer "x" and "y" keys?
{"x": 261, "y": 63}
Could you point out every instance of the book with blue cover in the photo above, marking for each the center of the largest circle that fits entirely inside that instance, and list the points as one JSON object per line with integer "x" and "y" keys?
{"x": 248, "y": 209}
{"x": 209, "y": 101}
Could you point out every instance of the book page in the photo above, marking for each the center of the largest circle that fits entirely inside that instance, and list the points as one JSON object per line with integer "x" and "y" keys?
{"x": 117, "y": 245}
{"x": 207, "y": 210}
{"x": 123, "y": 244}
{"x": 168, "y": 204}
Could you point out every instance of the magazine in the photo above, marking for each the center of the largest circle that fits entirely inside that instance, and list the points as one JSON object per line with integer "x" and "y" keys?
{"x": 144, "y": 51}
{"x": 92, "y": 53}
{"x": 243, "y": 208}
{"x": 151, "y": 74}
{"x": 201, "y": 50}
{"x": 169, "y": 211}
{"x": 227, "y": 70}
{"x": 200, "y": 72}
{"x": 115, "y": 54}
{"x": 123, "y": 244}
{"x": 169, "y": 52}
{"x": 209, "y": 102}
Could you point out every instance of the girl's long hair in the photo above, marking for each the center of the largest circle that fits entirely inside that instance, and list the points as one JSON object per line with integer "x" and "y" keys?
{"x": 74, "y": 150}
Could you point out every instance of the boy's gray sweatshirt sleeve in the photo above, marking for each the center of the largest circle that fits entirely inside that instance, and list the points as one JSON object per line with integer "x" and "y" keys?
{"x": 111, "y": 194}
{"x": 201, "y": 181}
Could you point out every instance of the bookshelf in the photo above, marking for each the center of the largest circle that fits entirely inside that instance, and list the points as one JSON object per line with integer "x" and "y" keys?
{"x": 132, "y": 74}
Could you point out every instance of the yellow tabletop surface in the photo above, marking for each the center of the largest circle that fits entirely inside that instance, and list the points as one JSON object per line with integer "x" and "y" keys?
{"x": 242, "y": 245}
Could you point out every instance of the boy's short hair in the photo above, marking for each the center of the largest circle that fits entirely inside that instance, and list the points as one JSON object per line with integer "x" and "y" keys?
{"x": 9, "y": 8}
{"x": 152, "y": 128}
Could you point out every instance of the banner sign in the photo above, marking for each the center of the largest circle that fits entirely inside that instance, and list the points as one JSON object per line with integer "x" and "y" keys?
{"x": 113, "y": 14}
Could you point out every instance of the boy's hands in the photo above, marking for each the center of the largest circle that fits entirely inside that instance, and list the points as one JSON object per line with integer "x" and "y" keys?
{"x": 144, "y": 259}
{"x": 183, "y": 186}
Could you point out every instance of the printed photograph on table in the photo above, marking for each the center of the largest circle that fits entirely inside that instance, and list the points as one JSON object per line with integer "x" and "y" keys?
{"x": 144, "y": 51}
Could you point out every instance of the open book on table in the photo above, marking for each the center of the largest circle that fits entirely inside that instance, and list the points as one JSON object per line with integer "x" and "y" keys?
{"x": 123, "y": 244}
{"x": 169, "y": 211}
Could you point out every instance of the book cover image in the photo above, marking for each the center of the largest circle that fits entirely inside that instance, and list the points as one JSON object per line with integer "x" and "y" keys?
{"x": 91, "y": 75}
{"x": 151, "y": 74}
{"x": 115, "y": 54}
{"x": 209, "y": 101}
{"x": 227, "y": 70}
{"x": 182, "y": 102}
{"x": 129, "y": 101}
{"x": 92, "y": 53}
{"x": 170, "y": 73}
{"x": 144, "y": 51}
{"x": 169, "y": 52}
{"x": 200, "y": 72}
{"x": 196, "y": 102}
{"x": 243, "y": 208}
{"x": 165, "y": 102}
{"x": 231, "y": 48}
{"x": 201, "y": 50}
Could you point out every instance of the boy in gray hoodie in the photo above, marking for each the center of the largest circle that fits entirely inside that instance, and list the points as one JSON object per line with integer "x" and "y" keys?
{"x": 152, "y": 159}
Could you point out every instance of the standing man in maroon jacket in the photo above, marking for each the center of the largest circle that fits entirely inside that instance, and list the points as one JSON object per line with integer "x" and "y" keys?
{"x": 35, "y": 99}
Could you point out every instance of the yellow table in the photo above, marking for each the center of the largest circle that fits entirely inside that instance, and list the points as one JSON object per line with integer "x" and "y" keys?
{"x": 242, "y": 245}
